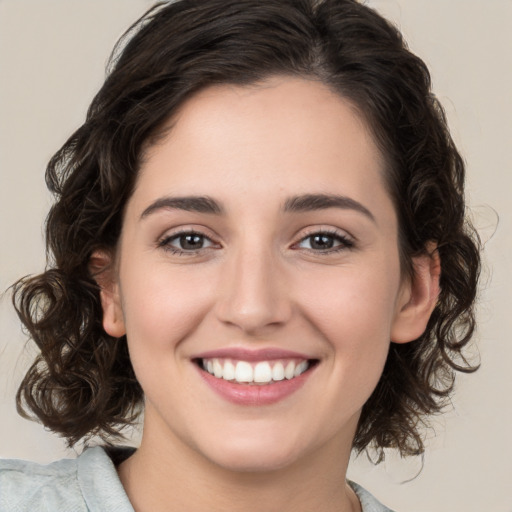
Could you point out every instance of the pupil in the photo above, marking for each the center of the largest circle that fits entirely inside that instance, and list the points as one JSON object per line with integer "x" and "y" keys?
{"x": 322, "y": 242}
{"x": 191, "y": 241}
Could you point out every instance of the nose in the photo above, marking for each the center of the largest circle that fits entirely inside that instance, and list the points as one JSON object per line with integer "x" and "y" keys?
{"x": 253, "y": 294}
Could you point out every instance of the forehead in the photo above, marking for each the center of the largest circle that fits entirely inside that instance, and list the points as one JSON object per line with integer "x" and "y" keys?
{"x": 287, "y": 135}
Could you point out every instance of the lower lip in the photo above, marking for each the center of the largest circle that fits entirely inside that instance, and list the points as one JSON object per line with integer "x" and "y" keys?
{"x": 255, "y": 394}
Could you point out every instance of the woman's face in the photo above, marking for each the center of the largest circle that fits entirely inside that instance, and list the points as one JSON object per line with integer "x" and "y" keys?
{"x": 258, "y": 277}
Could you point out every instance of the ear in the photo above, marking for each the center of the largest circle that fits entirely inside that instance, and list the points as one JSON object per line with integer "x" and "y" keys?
{"x": 418, "y": 297}
{"x": 101, "y": 267}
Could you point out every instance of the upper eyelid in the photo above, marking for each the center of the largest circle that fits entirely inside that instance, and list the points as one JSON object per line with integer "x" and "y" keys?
{"x": 187, "y": 230}
{"x": 343, "y": 240}
{"x": 178, "y": 234}
{"x": 315, "y": 230}
{"x": 166, "y": 241}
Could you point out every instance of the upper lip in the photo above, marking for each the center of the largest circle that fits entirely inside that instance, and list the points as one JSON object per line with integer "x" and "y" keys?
{"x": 244, "y": 354}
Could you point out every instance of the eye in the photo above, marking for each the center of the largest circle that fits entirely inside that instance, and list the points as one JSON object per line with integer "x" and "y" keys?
{"x": 325, "y": 242}
{"x": 185, "y": 242}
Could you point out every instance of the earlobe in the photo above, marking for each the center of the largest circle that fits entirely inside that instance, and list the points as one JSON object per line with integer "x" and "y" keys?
{"x": 418, "y": 298}
{"x": 102, "y": 270}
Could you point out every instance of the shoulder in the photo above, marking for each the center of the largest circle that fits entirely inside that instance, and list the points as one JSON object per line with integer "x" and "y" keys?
{"x": 368, "y": 502}
{"x": 88, "y": 483}
{"x": 29, "y": 486}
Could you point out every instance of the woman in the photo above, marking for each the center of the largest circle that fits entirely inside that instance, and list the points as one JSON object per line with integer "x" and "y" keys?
{"x": 258, "y": 238}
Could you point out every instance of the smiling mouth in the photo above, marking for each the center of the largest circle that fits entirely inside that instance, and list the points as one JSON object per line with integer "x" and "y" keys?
{"x": 255, "y": 373}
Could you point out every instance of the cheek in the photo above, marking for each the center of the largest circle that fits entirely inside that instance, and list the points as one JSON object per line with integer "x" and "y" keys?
{"x": 354, "y": 313}
{"x": 161, "y": 308}
{"x": 352, "y": 301}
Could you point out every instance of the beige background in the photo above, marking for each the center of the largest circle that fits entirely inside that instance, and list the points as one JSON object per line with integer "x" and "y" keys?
{"x": 52, "y": 57}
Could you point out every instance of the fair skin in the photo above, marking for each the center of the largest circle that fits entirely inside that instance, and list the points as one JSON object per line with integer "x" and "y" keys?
{"x": 266, "y": 275}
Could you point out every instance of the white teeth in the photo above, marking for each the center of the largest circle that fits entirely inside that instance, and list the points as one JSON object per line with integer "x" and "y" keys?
{"x": 290, "y": 370}
{"x": 217, "y": 369}
{"x": 229, "y": 371}
{"x": 300, "y": 368}
{"x": 244, "y": 372}
{"x": 278, "y": 371}
{"x": 263, "y": 372}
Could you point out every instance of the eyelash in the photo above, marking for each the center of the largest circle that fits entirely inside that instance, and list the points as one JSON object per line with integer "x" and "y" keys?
{"x": 165, "y": 243}
{"x": 344, "y": 242}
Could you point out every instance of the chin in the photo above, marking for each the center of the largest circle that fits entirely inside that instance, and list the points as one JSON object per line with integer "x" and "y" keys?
{"x": 246, "y": 460}
{"x": 259, "y": 452}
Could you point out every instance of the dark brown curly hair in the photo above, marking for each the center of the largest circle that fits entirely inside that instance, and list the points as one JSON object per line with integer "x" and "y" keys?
{"x": 82, "y": 383}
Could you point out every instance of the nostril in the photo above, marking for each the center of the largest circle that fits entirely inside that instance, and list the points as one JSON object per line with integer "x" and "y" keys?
{"x": 253, "y": 300}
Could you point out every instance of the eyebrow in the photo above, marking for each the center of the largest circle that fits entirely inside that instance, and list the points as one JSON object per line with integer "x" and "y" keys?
{"x": 300, "y": 203}
{"x": 311, "y": 202}
{"x": 200, "y": 204}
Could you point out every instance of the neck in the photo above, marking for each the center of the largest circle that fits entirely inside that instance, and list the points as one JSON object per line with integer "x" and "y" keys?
{"x": 168, "y": 476}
